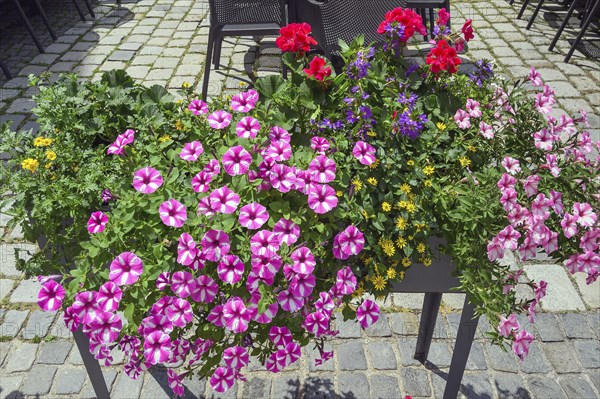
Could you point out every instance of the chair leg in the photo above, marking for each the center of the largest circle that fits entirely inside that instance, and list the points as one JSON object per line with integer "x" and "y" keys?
{"x": 563, "y": 25}
{"x": 90, "y": 9}
{"x": 209, "y": 51}
{"x": 431, "y": 307}
{"x": 5, "y": 70}
{"x": 586, "y": 24}
{"x": 44, "y": 18}
{"x": 217, "y": 53}
{"x": 447, "y": 7}
{"x": 79, "y": 10}
{"x": 535, "y": 13}
{"x": 431, "y": 22}
{"x": 525, "y": 4}
{"x": 28, "y": 25}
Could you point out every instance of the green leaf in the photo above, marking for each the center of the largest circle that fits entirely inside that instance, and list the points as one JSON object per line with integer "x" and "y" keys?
{"x": 268, "y": 86}
{"x": 156, "y": 95}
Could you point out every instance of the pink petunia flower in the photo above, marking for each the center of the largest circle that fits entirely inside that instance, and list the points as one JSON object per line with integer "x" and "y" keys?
{"x": 287, "y": 231}
{"x": 325, "y": 304}
{"x": 367, "y": 313}
{"x": 531, "y": 185}
{"x": 280, "y": 336}
{"x": 172, "y": 213}
{"x": 506, "y": 182}
{"x": 186, "y": 249}
{"x": 85, "y": 307}
{"x": 508, "y": 199}
{"x": 157, "y": 347}
{"x": 183, "y": 284}
{"x": 191, "y": 151}
{"x": 204, "y": 207}
{"x": 266, "y": 265}
{"x": 511, "y": 165}
{"x": 267, "y": 316}
{"x": 289, "y": 302}
{"x": 304, "y": 260}
{"x": 109, "y": 296}
{"x": 322, "y": 169}
{"x": 552, "y": 165}
{"x": 473, "y": 109}
{"x": 507, "y": 325}
{"x": 107, "y": 326}
{"x": 247, "y": 128}
{"x": 215, "y": 244}
{"x": 316, "y": 323}
{"x": 200, "y": 182}
{"x": 521, "y": 343}
{"x": 118, "y": 146}
{"x": 541, "y": 290}
{"x": 198, "y": 107}
{"x": 535, "y": 78}
{"x": 319, "y": 144}
{"x": 278, "y": 151}
{"x": 236, "y": 161}
{"x": 206, "y": 290}
{"x": 264, "y": 242}
{"x": 222, "y": 379}
{"x": 244, "y": 102}
{"x": 282, "y": 177}
{"x": 125, "y": 269}
{"x": 253, "y": 216}
{"x": 212, "y": 167}
{"x": 569, "y": 225}
{"x": 322, "y": 198}
{"x": 236, "y": 315}
{"x": 236, "y": 357}
{"x": 364, "y": 152}
{"x": 508, "y": 238}
{"x": 97, "y": 222}
{"x": 345, "y": 282}
{"x": 584, "y": 214}
{"x": 180, "y": 312}
{"x": 486, "y": 130}
{"x": 230, "y": 269}
{"x": 223, "y": 200}
{"x": 51, "y": 296}
{"x": 303, "y": 284}
{"x": 351, "y": 240}
{"x": 279, "y": 134}
{"x": 147, "y": 180}
{"x": 543, "y": 140}
{"x": 175, "y": 382}
{"x": 462, "y": 119}
{"x": 219, "y": 119}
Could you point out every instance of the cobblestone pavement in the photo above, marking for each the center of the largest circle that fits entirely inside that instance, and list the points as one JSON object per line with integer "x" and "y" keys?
{"x": 164, "y": 42}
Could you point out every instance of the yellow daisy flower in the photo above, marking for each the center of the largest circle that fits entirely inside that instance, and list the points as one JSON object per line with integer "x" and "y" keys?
{"x": 357, "y": 183}
{"x": 50, "y": 155}
{"x": 401, "y": 242}
{"x": 405, "y": 188}
{"x": 406, "y": 262}
{"x": 391, "y": 273}
{"x": 30, "y": 164}
{"x": 428, "y": 170}
{"x": 426, "y": 261}
{"x": 372, "y": 181}
{"x": 386, "y": 207}
{"x": 428, "y": 183}
{"x": 465, "y": 162}
{"x": 379, "y": 282}
{"x": 401, "y": 223}
{"x": 374, "y": 164}
{"x": 421, "y": 248}
{"x": 339, "y": 193}
{"x": 410, "y": 162}
{"x": 164, "y": 138}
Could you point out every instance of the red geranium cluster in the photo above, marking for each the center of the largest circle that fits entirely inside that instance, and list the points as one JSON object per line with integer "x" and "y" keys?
{"x": 443, "y": 58}
{"x": 317, "y": 69}
{"x": 295, "y": 38}
{"x": 410, "y": 20}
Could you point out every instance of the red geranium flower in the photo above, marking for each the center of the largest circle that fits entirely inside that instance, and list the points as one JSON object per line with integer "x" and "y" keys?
{"x": 443, "y": 58}
{"x": 317, "y": 69}
{"x": 467, "y": 30}
{"x": 295, "y": 38}
{"x": 411, "y": 21}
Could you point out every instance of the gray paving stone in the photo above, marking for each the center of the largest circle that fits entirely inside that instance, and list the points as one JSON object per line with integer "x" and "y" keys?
{"x": 416, "y": 381}
{"x": 6, "y": 287}
{"x": 381, "y": 328}
{"x": 5, "y": 348}
{"x": 476, "y": 360}
{"x": 257, "y": 388}
{"x": 382, "y": 355}
{"x": 476, "y": 385}
{"x": 121, "y": 55}
{"x": 562, "y": 357}
{"x": 22, "y": 357}
{"x": 535, "y": 362}
{"x": 352, "y": 385}
{"x": 576, "y": 326}
{"x": 194, "y": 388}
{"x": 26, "y": 292}
{"x": 155, "y": 385}
{"x": 38, "y": 324}
{"x": 384, "y": 387}
{"x": 594, "y": 321}
{"x": 404, "y": 323}
{"x": 439, "y": 355}
{"x": 499, "y": 359}
{"x": 39, "y": 380}
{"x": 285, "y": 387}
{"x": 576, "y": 386}
{"x": 318, "y": 387}
{"x": 407, "y": 347}
{"x": 542, "y": 387}
{"x": 54, "y": 352}
{"x": 351, "y": 356}
{"x": 594, "y": 376}
{"x": 509, "y": 385}
{"x": 110, "y": 375}
{"x": 13, "y": 321}
{"x": 561, "y": 294}
{"x": 348, "y": 328}
{"x": 69, "y": 381}
{"x": 589, "y": 293}
{"x": 548, "y": 328}
{"x": 10, "y": 386}
{"x": 589, "y": 353}
{"x": 126, "y": 388}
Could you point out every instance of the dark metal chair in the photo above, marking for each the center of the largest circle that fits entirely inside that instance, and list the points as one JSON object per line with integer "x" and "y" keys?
{"x": 5, "y": 69}
{"x": 591, "y": 9}
{"x": 25, "y": 19}
{"x": 240, "y": 18}
{"x": 424, "y": 7}
{"x": 88, "y": 6}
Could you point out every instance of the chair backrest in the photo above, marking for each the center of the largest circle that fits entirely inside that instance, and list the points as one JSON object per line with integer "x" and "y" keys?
{"x": 332, "y": 20}
{"x": 227, "y": 12}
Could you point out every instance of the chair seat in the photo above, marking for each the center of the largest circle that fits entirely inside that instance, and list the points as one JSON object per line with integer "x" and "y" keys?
{"x": 250, "y": 29}
{"x": 424, "y": 3}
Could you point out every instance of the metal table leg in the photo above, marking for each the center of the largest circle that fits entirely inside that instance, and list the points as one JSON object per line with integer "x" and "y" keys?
{"x": 563, "y": 25}
{"x": 91, "y": 365}
{"x": 431, "y": 307}
{"x": 28, "y": 25}
{"x": 5, "y": 69}
{"x": 44, "y": 18}
{"x": 586, "y": 24}
{"x": 462, "y": 348}
{"x": 209, "y": 55}
{"x": 535, "y": 13}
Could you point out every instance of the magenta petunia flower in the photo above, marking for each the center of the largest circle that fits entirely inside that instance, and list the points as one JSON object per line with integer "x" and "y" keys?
{"x": 172, "y": 213}
{"x": 183, "y": 284}
{"x": 163, "y": 280}
{"x": 289, "y": 302}
{"x": 71, "y": 320}
{"x": 212, "y": 167}
{"x": 267, "y": 316}
{"x": 322, "y": 169}
{"x": 367, "y": 313}
{"x": 156, "y": 322}
{"x": 319, "y": 144}
{"x": 180, "y": 312}
{"x": 222, "y": 379}
{"x": 223, "y": 200}
{"x": 198, "y": 107}
{"x": 191, "y": 151}
{"x": 351, "y": 240}
{"x": 125, "y": 269}
{"x": 287, "y": 231}
{"x": 507, "y": 325}
{"x": 236, "y": 315}
{"x": 215, "y": 244}
{"x": 230, "y": 269}
{"x": 253, "y": 216}
{"x": 245, "y": 101}
{"x": 200, "y": 182}
{"x": 236, "y": 357}
{"x": 288, "y": 355}
{"x": 206, "y": 290}
{"x": 97, "y": 222}
{"x": 175, "y": 382}
{"x": 345, "y": 282}
{"x": 109, "y": 296}
{"x": 264, "y": 242}
{"x": 364, "y": 152}
{"x": 279, "y": 134}
{"x": 157, "y": 347}
{"x": 302, "y": 284}
{"x": 247, "y": 128}
{"x": 316, "y": 323}
{"x": 511, "y": 165}
{"x": 462, "y": 119}
{"x": 280, "y": 336}
{"x": 521, "y": 343}
{"x": 186, "y": 249}
{"x": 219, "y": 119}
{"x": 325, "y": 304}
{"x": 236, "y": 161}
{"x": 51, "y": 296}
{"x": 266, "y": 265}
{"x": 204, "y": 207}
{"x": 123, "y": 139}
{"x": 321, "y": 198}
{"x": 282, "y": 177}
{"x": 473, "y": 109}
{"x": 304, "y": 261}
{"x": 147, "y": 180}
{"x": 279, "y": 151}
{"x": 107, "y": 326}
{"x": 85, "y": 307}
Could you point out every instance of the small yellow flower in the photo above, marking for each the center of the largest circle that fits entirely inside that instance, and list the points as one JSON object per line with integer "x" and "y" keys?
{"x": 379, "y": 282}
{"x": 164, "y": 138}
{"x": 405, "y": 188}
{"x": 359, "y": 291}
{"x": 428, "y": 170}
{"x": 365, "y": 214}
{"x": 387, "y": 246}
{"x": 357, "y": 184}
{"x": 243, "y": 84}
{"x": 427, "y": 183}
{"x": 441, "y": 126}
{"x": 50, "y": 155}
{"x": 406, "y": 262}
{"x": 179, "y": 102}
{"x": 401, "y": 204}
{"x": 339, "y": 193}
{"x": 372, "y": 181}
{"x": 48, "y": 165}
{"x": 465, "y": 162}
{"x": 420, "y": 226}
{"x": 30, "y": 164}
{"x": 186, "y": 85}
{"x": 391, "y": 273}
{"x": 421, "y": 248}
{"x": 401, "y": 242}
{"x": 411, "y": 207}
{"x": 410, "y": 238}
{"x": 371, "y": 133}
{"x": 471, "y": 148}
{"x": 426, "y": 261}
{"x": 179, "y": 125}
{"x": 410, "y": 162}
{"x": 401, "y": 276}
{"x": 401, "y": 223}
{"x": 374, "y": 164}
{"x": 42, "y": 142}
{"x": 386, "y": 207}
{"x": 367, "y": 261}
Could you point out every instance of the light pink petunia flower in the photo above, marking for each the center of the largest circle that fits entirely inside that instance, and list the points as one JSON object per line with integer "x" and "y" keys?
{"x": 486, "y": 130}
{"x": 125, "y": 269}
{"x": 219, "y": 119}
{"x": 507, "y": 325}
{"x": 584, "y": 214}
{"x": 253, "y": 216}
{"x": 322, "y": 169}
{"x": 186, "y": 250}
{"x": 535, "y": 77}
{"x": 198, "y": 107}
{"x": 157, "y": 347}
{"x": 172, "y": 213}
{"x": 51, "y": 296}
{"x": 473, "y": 109}
{"x": 247, "y": 127}
{"x": 109, "y": 296}
{"x": 97, "y": 222}
{"x": 367, "y": 313}
{"x": 511, "y": 165}
{"x": 364, "y": 152}
{"x": 191, "y": 151}
{"x": 462, "y": 119}
{"x": 244, "y": 102}
{"x": 147, "y": 180}
{"x": 521, "y": 343}
{"x": 223, "y": 200}
{"x": 230, "y": 269}
{"x": 322, "y": 198}
{"x": 236, "y": 161}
